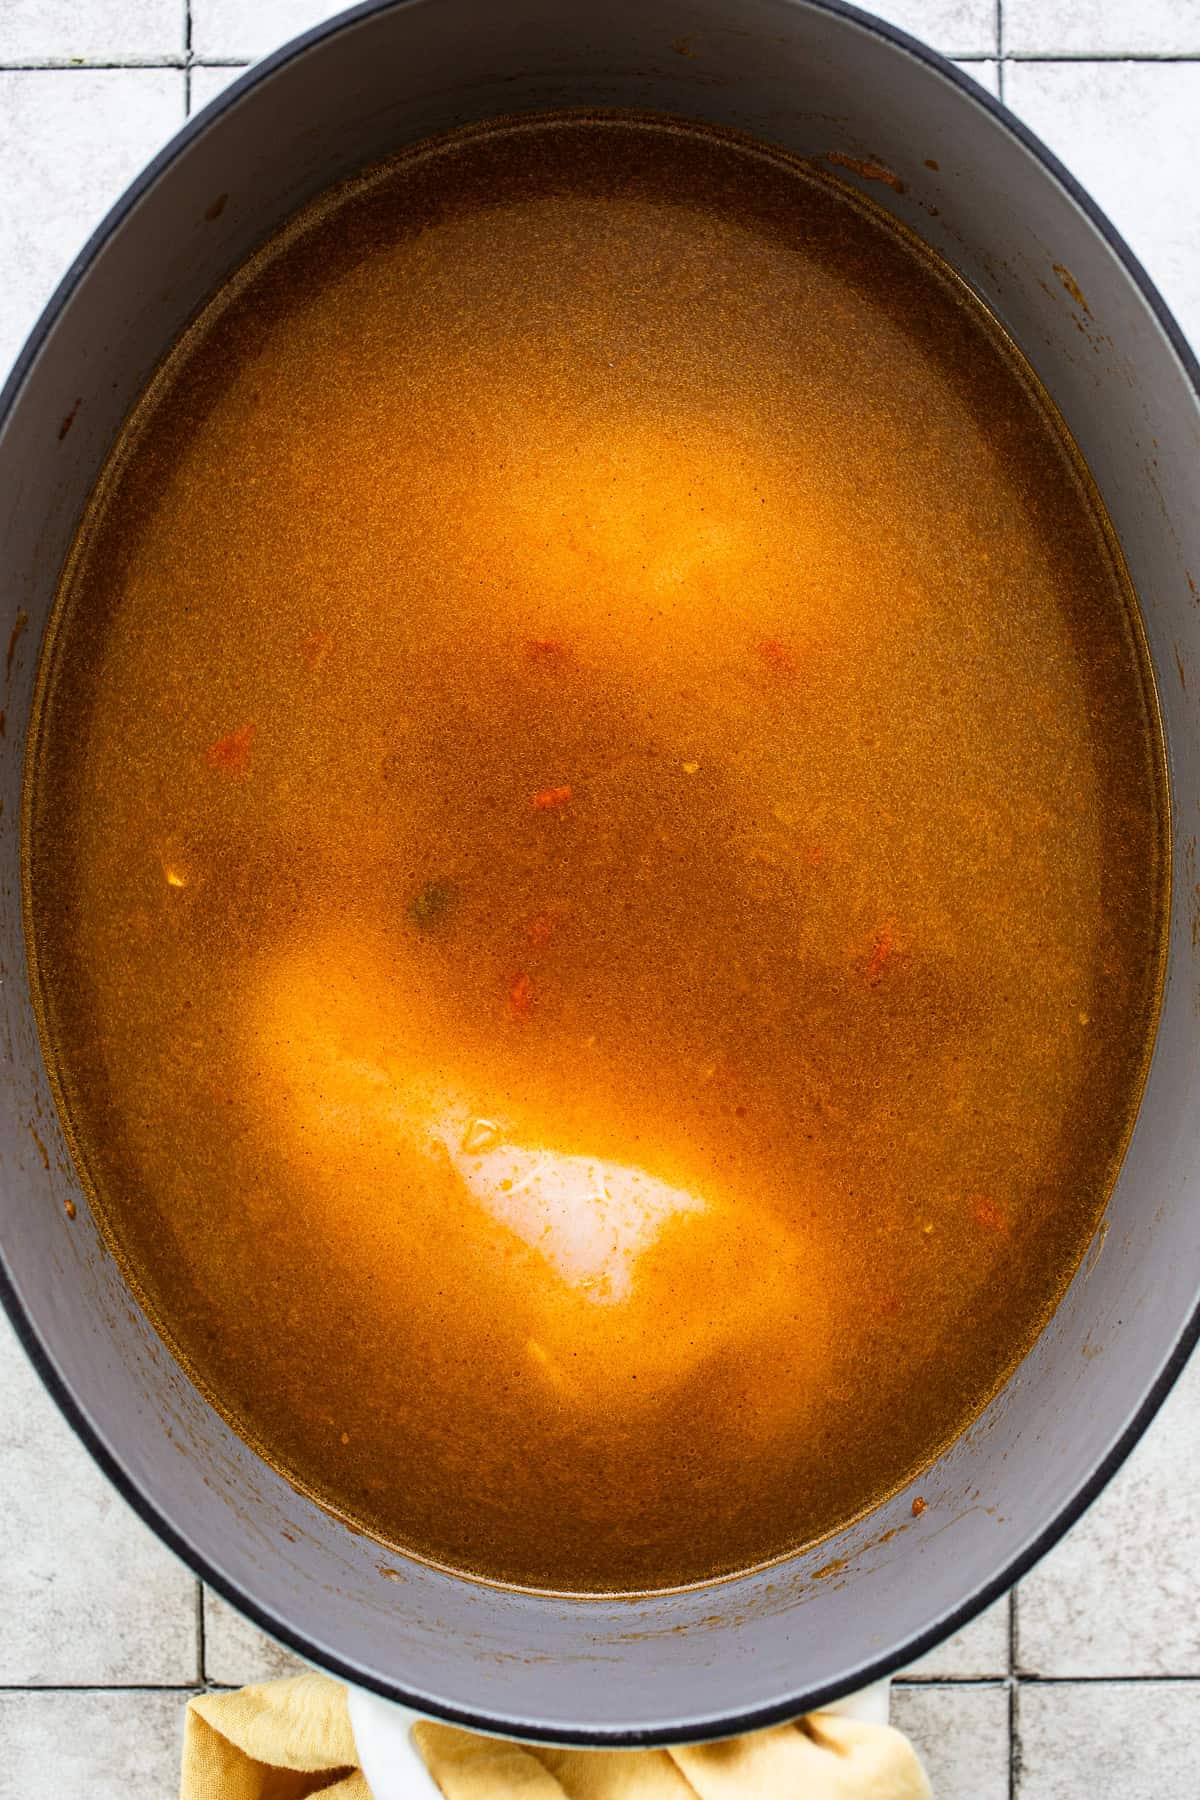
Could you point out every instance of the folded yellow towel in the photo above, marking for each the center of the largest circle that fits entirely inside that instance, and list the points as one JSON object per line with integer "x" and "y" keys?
{"x": 285, "y": 1740}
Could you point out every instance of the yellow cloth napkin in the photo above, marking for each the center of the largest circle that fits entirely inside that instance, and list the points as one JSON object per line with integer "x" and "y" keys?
{"x": 824, "y": 1757}
{"x": 285, "y": 1740}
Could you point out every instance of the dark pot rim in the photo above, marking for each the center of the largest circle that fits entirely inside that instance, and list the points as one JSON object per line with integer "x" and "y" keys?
{"x": 1075, "y": 1504}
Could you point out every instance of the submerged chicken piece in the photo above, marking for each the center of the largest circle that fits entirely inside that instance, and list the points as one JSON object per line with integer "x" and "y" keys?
{"x": 590, "y": 1219}
{"x": 622, "y": 1283}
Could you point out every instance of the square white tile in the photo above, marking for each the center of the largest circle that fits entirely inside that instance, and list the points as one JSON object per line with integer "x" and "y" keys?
{"x": 1102, "y": 27}
{"x": 231, "y": 28}
{"x": 1121, "y": 1594}
{"x": 1104, "y": 1740}
{"x": 1131, "y": 133}
{"x": 979, "y": 1650}
{"x": 89, "y": 1594}
{"x": 955, "y": 27}
{"x": 237, "y": 1653}
{"x": 961, "y": 1735}
{"x": 70, "y": 141}
{"x": 99, "y": 1746}
{"x": 94, "y": 30}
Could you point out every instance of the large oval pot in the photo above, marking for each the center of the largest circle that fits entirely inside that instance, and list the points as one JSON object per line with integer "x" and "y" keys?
{"x": 815, "y": 78}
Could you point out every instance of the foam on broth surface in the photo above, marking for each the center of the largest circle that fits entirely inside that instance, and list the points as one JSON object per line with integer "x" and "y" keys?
{"x": 596, "y": 854}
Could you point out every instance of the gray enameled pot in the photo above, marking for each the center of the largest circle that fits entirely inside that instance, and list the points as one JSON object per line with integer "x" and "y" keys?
{"x": 813, "y": 77}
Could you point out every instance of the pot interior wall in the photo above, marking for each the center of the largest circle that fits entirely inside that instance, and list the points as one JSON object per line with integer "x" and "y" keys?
{"x": 814, "y": 81}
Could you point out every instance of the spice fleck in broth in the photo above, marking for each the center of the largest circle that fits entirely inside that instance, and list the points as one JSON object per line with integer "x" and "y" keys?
{"x": 596, "y": 854}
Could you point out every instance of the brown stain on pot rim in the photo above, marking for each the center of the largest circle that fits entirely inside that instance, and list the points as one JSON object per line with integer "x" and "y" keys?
{"x": 1072, "y": 286}
{"x": 19, "y": 624}
{"x": 1097, "y": 1247}
{"x": 869, "y": 167}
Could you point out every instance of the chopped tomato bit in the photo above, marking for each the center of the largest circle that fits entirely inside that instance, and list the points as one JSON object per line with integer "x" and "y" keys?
{"x": 231, "y": 755}
{"x": 540, "y": 930}
{"x": 521, "y": 997}
{"x": 882, "y": 952}
{"x": 887, "y": 1304}
{"x": 816, "y": 855}
{"x": 988, "y": 1215}
{"x": 551, "y": 799}
{"x": 919, "y": 1506}
{"x": 316, "y": 648}
{"x": 777, "y": 656}
{"x": 547, "y": 652}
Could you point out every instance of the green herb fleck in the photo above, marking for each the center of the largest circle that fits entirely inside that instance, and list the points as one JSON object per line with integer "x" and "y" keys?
{"x": 432, "y": 905}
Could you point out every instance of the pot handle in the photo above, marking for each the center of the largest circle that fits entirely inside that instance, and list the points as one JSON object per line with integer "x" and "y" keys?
{"x": 394, "y": 1770}
{"x": 389, "y": 1759}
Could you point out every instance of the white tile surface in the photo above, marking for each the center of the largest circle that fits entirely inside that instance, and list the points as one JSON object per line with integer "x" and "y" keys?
{"x": 237, "y": 1653}
{"x": 105, "y": 30}
{"x": 209, "y": 81}
{"x": 87, "y": 1594}
{"x": 1131, "y": 133}
{"x": 1121, "y": 1594}
{"x": 980, "y": 1649}
{"x": 955, "y": 27}
{"x": 70, "y": 141}
{"x": 101, "y": 1746}
{"x": 1103, "y": 1741}
{"x": 1102, "y": 27}
{"x": 961, "y": 1735}
{"x": 233, "y": 28}
{"x": 987, "y": 74}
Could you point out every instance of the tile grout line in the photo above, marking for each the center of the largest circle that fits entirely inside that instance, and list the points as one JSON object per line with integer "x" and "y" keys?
{"x": 1014, "y": 1726}
{"x": 201, "y": 1632}
{"x": 1014, "y": 1739}
{"x": 1000, "y": 51}
{"x": 103, "y": 1687}
{"x": 1099, "y": 56}
{"x": 76, "y": 65}
{"x": 1044, "y": 1681}
{"x": 31, "y": 65}
{"x": 69, "y": 65}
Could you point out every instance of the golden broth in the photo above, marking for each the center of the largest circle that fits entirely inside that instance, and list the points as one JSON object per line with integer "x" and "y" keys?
{"x": 596, "y": 854}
